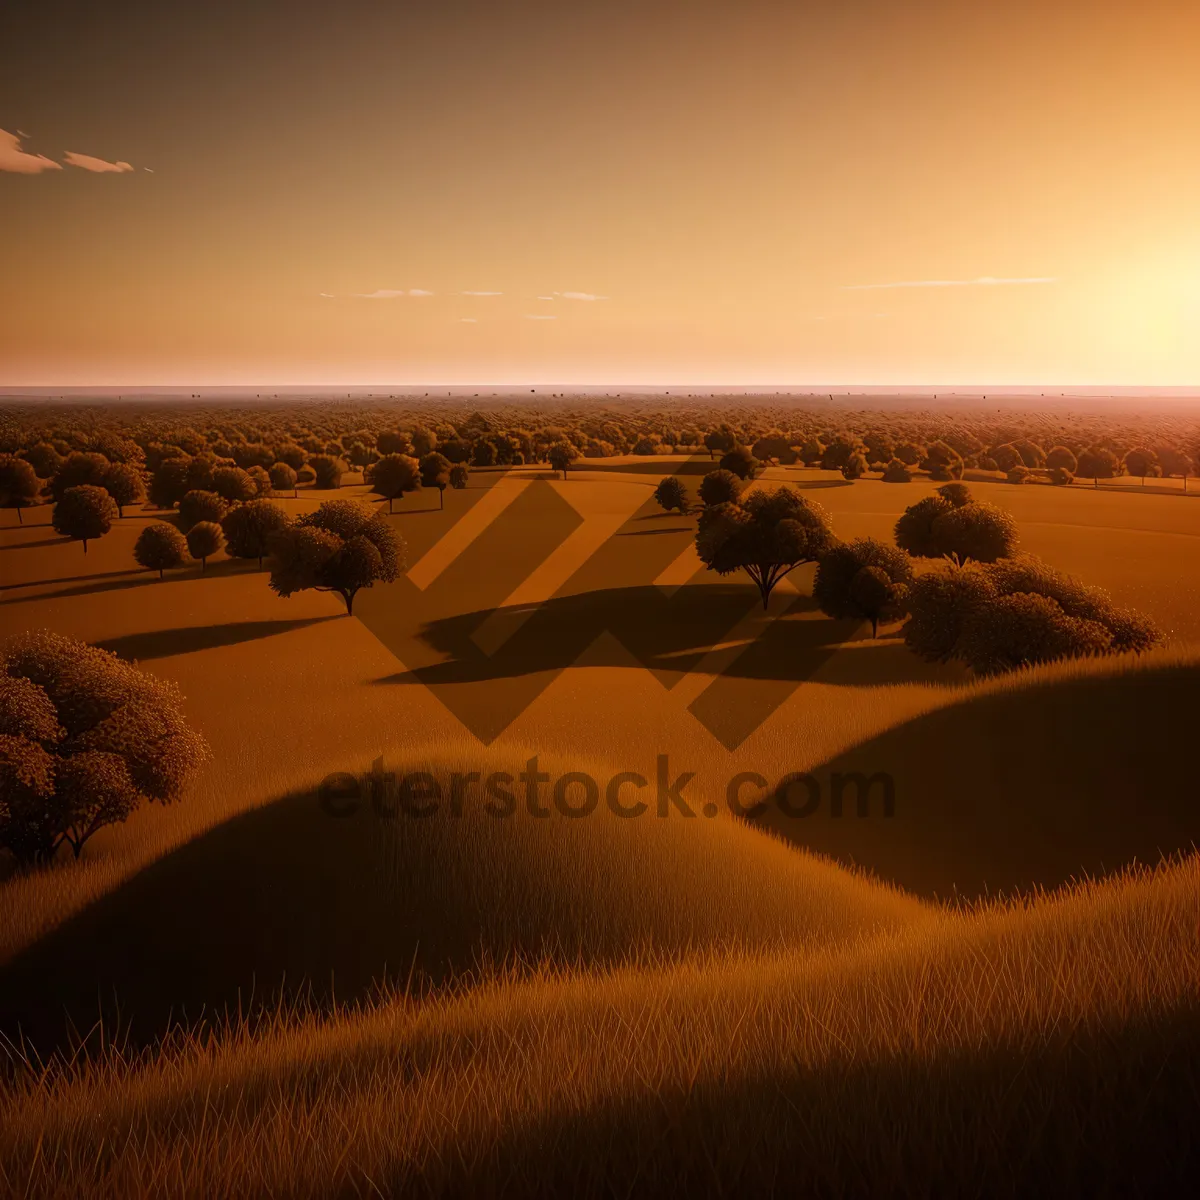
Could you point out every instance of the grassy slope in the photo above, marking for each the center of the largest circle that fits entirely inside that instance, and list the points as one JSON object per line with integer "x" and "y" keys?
{"x": 1049, "y": 1044}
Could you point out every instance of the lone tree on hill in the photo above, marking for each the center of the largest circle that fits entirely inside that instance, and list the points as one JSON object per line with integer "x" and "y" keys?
{"x": 342, "y": 547}
{"x": 459, "y": 474}
{"x": 249, "y": 527}
{"x": 766, "y": 534}
{"x": 394, "y": 475}
{"x": 19, "y": 484}
{"x": 199, "y": 506}
{"x": 283, "y": 478}
{"x": 205, "y": 539}
{"x": 435, "y": 473}
{"x": 124, "y": 483}
{"x": 672, "y": 495}
{"x": 160, "y": 547}
{"x": 562, "y": 455}
{"x": 85, "y": 739}
{"x": 85, "y": 512}
{"x": 720, "y": 487}
{"x": 864, "y": 580}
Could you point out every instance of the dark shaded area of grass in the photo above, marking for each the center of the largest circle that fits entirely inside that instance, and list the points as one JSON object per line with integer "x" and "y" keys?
{"x": 161, "y": 643}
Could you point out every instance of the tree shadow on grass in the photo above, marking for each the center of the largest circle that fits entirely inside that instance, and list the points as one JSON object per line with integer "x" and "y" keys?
{"x": 223, "y": 567}
{"x": 9, "y": 587}
{"x": 50, "y": 541}
{"x": 1020, "y": 788}
{"x": 162, "y": 643}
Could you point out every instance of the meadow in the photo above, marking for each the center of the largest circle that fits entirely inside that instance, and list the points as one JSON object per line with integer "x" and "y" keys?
{"x": 254, "y": 996}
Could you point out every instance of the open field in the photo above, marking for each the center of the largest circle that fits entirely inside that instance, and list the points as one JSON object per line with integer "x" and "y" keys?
{"x": 685, "y": 971}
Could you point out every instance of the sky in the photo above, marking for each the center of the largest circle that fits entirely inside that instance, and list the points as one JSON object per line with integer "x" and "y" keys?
{"x": 787, "y": 192}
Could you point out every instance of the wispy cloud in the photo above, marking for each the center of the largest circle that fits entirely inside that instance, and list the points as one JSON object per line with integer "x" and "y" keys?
{"x": 579, "y": 296}
{"x": 982, "y": 281}
{"x": 545, "y": 297}
{"x": 391, "y": 293}
{"x": 540, "y": 317}
{"x": 327, "y": 295}
{"x": 469, "y": 320}
{"x": 18, "y": 161}
{"x": 99, "y": 166}
{"x": 481, "y": 293}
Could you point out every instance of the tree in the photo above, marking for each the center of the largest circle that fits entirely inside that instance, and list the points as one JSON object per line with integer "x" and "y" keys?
{"x": 263, "y": 488}
{"x": 124, "y": 483}
{"x": 199, "y": 506}
{"x": 1098, "y": 462}
{"x": 249, "y": 527}
{"x": 855, "y": 467}
{"x": 765, "y": 534}
{"x": 939, "y": 603}
{"x": 1006, "y": 456}
{"x": 911, "y": 453}
{"x": 839, "y": 449}
{"x": 1141, "y": 462}
{"x": 394, "y": 475}
{"x": 740, "y": 462}
{"x": 896, "y": 471}
{"x": 84, "y": 512}
{"x": 672, "y": 495}
{"x": 342, "y": 547}
{"x": 327, "y": 471}
{"x": 160, "y": 547}
{"x": 864, "y": 580}
{"x": 914, "y": 529}
{"x": 1021, "y": 474}
{"x": 19, "y": 485}
{"x": 562, "y": 455}
{"x": 720, "y": 487}
{"x": 85, "y": 739}
{"x": 719, "y": 440}
{"x": 392, "y": 442}
{"x": 78, "y": 469}
{"x": 43, "y": 458}
{"x": 205, "y": 539}
{"x": 170, "y": 482}
{"x": 1062, "y": 456}
{"x": 435, "y": 473}
{"x": 811, "y": 451}
{"x": 459, "y": 474}
{"x": 977, "y": 531}
{"x": 1032, "y": 455}
{"x": 423, "y": 442}
{"x": 233, "y": 484}
{"x": 283, "y": 478}
{"x": 1061, "y": 476}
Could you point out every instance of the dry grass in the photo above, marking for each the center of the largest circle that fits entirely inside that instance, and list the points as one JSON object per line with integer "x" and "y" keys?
{"x": 1048, "y": 1043}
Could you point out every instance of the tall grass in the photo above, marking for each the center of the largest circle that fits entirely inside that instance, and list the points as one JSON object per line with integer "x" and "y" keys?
{"x": 1049, "y": 1042}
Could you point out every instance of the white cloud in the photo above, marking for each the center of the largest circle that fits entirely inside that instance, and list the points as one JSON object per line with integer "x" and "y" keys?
{"x": 327, "y": 295}
{"x": 481, "y": 293}
{"x": 13, "y": 158}
{"x": 469, "y": 320}
{"x": 540, "y": 317}
{"x": 545, "y": 297}
{"x": 98, "y": 165}
{"x": 579, "y": 296}
{"x": 982, "y": 281}
{"x": 391, "y": 293}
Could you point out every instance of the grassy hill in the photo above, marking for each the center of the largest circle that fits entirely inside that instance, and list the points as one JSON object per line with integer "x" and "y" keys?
{"x": 1014, "y": 1048}
{"x": 1025, "y": 781}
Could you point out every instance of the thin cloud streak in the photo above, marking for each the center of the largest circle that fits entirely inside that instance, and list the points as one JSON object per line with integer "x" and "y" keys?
{"x": 982, "y": 281}
{"x": 540, "y": 317}
{"x": 481, "y": 293}
{"x": 98, "y": 166}
{"x": 580, "y": 296}
{"x": 18, "y": 161}
{"x": 391, "y": 293}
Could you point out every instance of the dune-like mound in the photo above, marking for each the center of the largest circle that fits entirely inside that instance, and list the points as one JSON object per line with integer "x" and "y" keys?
{"x": 291, "y": 895}
{"x": 1046, "y": 775}
{"x": 1033, "y": 1048}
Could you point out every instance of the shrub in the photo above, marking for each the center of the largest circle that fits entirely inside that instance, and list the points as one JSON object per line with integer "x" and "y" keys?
{"x": 896, "y": 471}
{"x": 84, "y": 740}
{"x": 249, "y": 527}
{"x": 740, "y": 462}
{"x": 205, "y": 539}
{"x": 327, "y": 471}
{"x": 765, "y": 534}
{"x": 1061, "y": 476}
{"x": 855, "y": 467}
{"x": 342, "y": 547}
{"x": 1025, "y": 629}
{"x": 672, "y": 495}
{"x": 199, "y": 506}
{"x": 84, "y": 512}
{"x": 939, "y": 602}
{"x": 160, "y": 547}
{"x": 459, "y": 474}
{"x": 1021, "y": 474}
{"x": 865, "y": 580}
{"x": 955, "y": 494}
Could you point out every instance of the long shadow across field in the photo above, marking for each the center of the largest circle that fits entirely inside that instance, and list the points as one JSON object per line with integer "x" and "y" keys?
{"x": 162, "y": 643}
{"x": 1024, "y": 787}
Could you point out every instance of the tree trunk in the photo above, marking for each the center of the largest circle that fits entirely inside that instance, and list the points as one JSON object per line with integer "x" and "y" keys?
{"x": 441, "y": 498}
{"x": 160, "y": 572}
{"x": 203, "y": 564}
{"x": 349, "y": 599}
{"x": 389, "y": 506}
{"x": 874, "y": 627}
{"x": 21, "y": 518}
{"x": 84, "y": 541}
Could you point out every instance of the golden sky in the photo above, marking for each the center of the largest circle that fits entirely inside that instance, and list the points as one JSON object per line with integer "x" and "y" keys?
{"x": 745, "y": 192}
